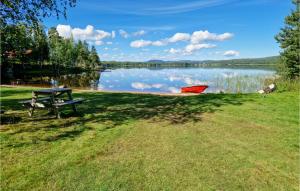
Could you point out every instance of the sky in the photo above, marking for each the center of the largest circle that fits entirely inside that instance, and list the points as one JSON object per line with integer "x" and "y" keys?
{"x": 141, "y": 30}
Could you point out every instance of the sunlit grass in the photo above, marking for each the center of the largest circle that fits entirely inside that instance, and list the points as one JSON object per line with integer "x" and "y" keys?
{"x": 122, "y": 141}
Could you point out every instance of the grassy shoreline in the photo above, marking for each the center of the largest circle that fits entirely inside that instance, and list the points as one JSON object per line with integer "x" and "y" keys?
{"x": 122, "y": 141}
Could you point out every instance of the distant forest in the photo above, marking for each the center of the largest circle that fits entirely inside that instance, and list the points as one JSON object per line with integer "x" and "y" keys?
{"x": 267, "y": 62}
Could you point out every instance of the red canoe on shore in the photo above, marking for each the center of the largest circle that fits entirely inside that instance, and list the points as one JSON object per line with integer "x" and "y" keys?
{"x": 194, "y": 89}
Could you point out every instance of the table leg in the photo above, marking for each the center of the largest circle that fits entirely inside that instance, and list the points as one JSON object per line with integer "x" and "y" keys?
{"x": 71, "y": 98}
{"x": 54, "y": 108}
{"x": 33, "y": 102}
{"x": 57, "y": 114}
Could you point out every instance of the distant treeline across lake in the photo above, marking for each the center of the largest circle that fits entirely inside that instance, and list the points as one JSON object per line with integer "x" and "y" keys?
{"x": 267, "y": 62}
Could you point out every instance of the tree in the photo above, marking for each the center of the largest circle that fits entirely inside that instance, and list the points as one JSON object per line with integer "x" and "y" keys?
{"x": 94, "y": 58}
{"x": 289, "y": 39}
{"x": 55, "y": 47}
{"x": 32, "y": 11}
{"x": 40, "y": 45}
{"x": 16, "y": 41}
{"x": 83, "y": 54}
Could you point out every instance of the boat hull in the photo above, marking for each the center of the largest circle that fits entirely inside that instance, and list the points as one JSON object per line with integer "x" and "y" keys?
{"x": 194, "y": 89}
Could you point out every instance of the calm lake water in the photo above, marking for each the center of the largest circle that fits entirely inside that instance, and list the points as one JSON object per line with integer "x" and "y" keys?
{"x": 171, "y": 80}
{"x": 166, "y": 80}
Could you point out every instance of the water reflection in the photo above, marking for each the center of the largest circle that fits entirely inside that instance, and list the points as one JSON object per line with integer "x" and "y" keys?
{"x": 172, "y": 79}
{"x": 86, "y": 80}
{"x": 164, "y": 80}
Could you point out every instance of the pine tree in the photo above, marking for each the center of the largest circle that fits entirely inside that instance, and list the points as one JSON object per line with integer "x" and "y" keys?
{"x": 94, "y": 58}
{"x": 289, "y": 39}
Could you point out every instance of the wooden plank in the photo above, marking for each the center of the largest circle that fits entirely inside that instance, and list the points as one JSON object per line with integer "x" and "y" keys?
{"x": 52, "y": 90}
{"x": 39, "y": 99}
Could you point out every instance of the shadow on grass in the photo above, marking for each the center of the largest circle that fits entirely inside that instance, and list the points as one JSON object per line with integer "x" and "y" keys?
{"x": 114, "y": 109}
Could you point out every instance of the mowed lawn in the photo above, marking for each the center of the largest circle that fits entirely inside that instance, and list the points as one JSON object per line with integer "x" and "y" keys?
{"x": 121, "y": 141}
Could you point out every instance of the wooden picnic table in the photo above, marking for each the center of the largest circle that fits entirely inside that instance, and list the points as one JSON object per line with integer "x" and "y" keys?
{"x": 50, "y": 99}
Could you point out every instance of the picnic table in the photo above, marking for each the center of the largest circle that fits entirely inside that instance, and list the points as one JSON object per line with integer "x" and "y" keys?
{"x": 51, "y": 99}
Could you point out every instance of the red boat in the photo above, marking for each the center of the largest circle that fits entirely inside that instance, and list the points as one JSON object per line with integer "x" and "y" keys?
{"x": 194, "y": 89}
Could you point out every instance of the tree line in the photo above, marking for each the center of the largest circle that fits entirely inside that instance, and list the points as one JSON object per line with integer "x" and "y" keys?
{"x": 21, "y": 44}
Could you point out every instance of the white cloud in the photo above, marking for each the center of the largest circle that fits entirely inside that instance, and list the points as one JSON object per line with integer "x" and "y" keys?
{"x": 88, "y": 33}
{"x": 179, "y": 37}
{"x": 159, "y": 43}
{"x": 174, "y": 51}
{"x": 64, "y": 30}
{"x": 98, "y": 42}
{"x": 230, "y": 53}
{"x": 140, "y": 43}
{"x": 139, "y": 33}
{"x": 109, "y": 43}
{"x": 123, "y": 33}
{"x": 113, "y": 34}
{"x": 196, "y": 38}
{"x": 200, "y": 36}
{"x": 193, "y": 47}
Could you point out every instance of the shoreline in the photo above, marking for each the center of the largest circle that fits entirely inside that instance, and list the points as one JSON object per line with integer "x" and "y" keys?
{"x": 110, "y": 91}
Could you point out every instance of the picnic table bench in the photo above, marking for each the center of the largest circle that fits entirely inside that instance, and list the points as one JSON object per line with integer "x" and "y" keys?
{"x": 51, "y": 100}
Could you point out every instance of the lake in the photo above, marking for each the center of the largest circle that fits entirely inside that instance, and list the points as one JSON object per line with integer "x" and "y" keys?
{"x": 165, "y": 80}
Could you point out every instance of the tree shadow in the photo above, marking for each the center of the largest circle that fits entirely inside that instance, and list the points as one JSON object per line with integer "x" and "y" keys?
{"x": 122, "y": 107}
{"x": 115, "y": 109}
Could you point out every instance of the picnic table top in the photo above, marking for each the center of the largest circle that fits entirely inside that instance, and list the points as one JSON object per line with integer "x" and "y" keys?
{"x": 52, "y": 90}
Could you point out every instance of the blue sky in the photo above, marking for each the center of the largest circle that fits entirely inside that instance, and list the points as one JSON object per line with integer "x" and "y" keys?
{"x": 128, "y": 30}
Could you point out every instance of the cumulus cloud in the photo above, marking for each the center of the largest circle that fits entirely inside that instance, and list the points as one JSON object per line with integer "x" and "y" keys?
{"x": 200, "y": 36}
{"x": 196, "y": 38}
{"x": 159, "y": 43}
{"x": 193, "y": 47}
{"x": 139, "y": 33}
{"x": 140, "y": 43}
{"x": 123, "y": 33}
{"x": 88, "y": 33}
{"x": 113, "y": 34}
{"x": 64, "y": 30}
{"x": 174, "y": 51}
{"x": 190, "y": 48}
{"x": 230, "y": 53}
{"x": 109, "y": 43}
{"x": 98, "y": 42}
{"x": 179, "y": 37}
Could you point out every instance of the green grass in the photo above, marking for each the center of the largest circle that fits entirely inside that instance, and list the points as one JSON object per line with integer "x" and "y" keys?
{"x": 145, "y": 142}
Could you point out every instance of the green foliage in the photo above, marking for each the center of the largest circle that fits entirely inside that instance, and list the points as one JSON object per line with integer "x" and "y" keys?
{"x": 30, "y": 12}
{"x": 67, "y": 53}
{"x": 289, "y": 39}
{"x": 93, "y": 57}
{"x": 31, "y": 45}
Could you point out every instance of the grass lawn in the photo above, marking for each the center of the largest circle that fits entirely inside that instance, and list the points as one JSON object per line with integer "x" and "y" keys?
{"x": 122, "y": 141}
